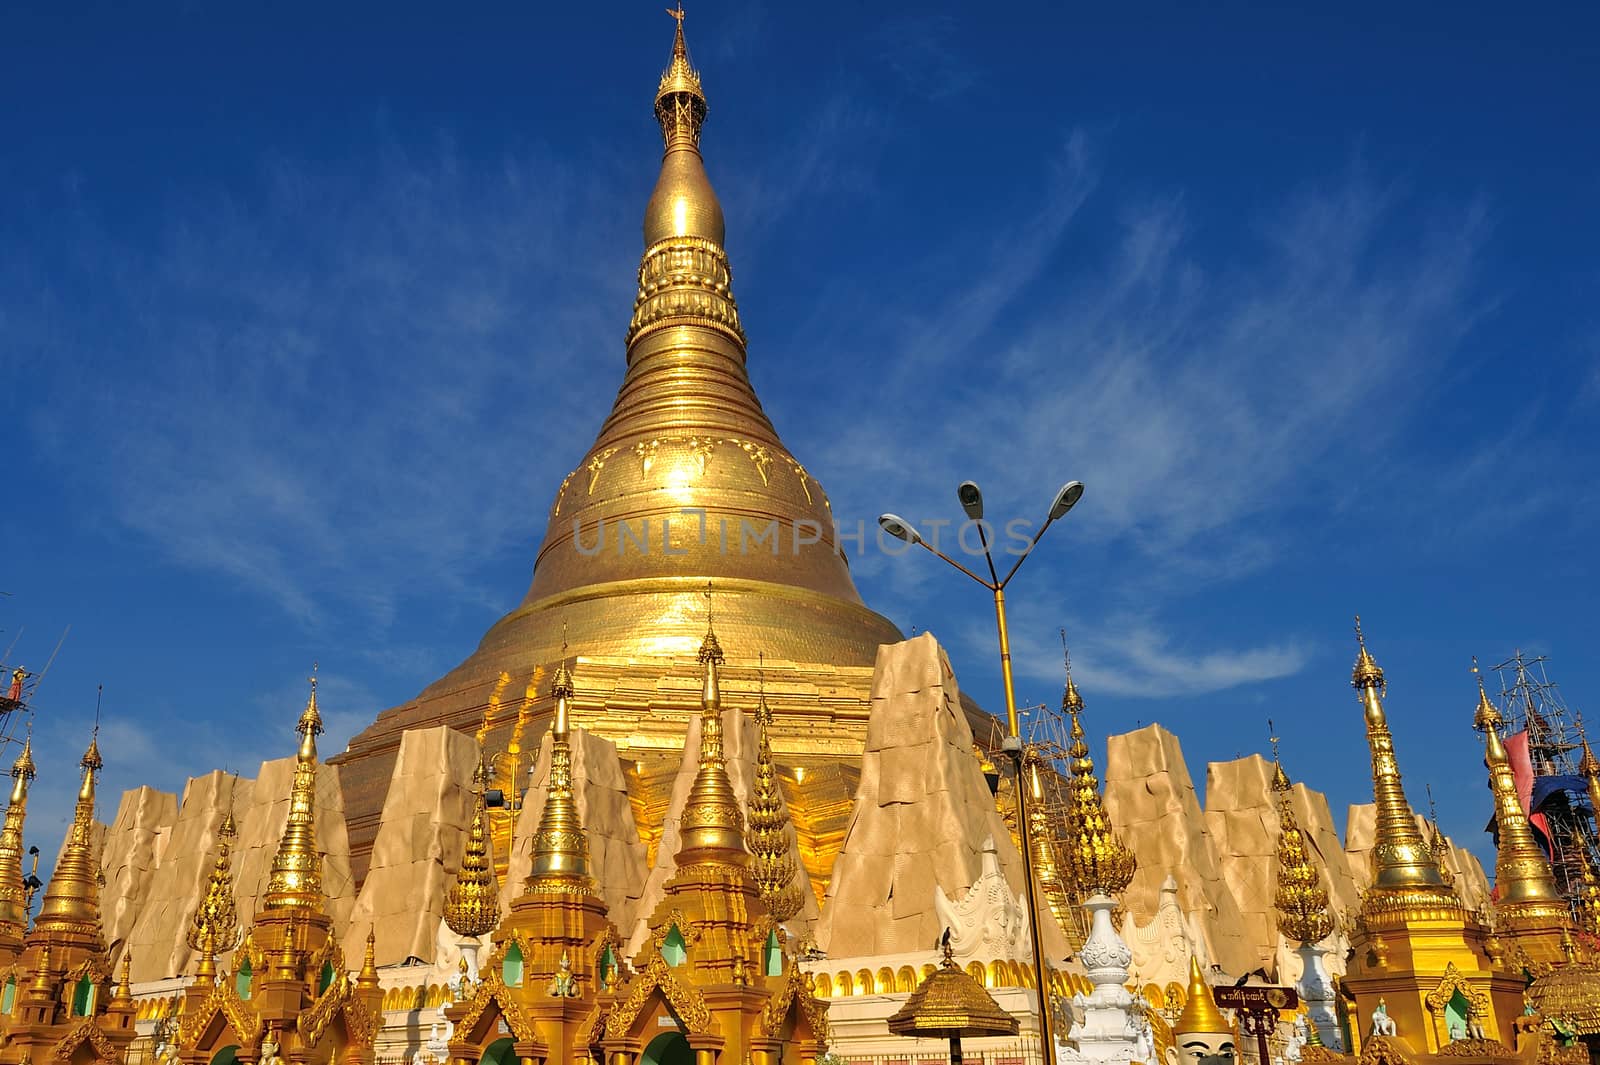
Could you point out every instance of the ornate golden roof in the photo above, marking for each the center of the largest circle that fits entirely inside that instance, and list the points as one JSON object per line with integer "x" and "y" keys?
{"x": 1403, "y": 866}
{"x": 1300, "y": 897}
{"x": 1525, "y": 888}
{"x": 472, "y": 903}
{"x": 712, "y": 828}
{"x": 1200, "y": 1015}
{"x": 13, "y": 896}
{"x": 772, "y": 864}
{"x": 560, "y": 849}
{"x": 950, "y": 1004}
{"x": 295, "y": 881}
{"x": 1098, "y": 860}
{"x": 216, "y": 919}
{"x": 1570, "y": 994}
{"x": 71, "y": 907}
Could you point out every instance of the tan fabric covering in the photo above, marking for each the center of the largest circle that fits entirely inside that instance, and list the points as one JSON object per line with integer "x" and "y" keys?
{"x": 1152, "y": 801}
{"x": 130, "y": 853}
{"x": 419, "y": 845}
{"x": 921, "y": 815}
{"x": 157, "y": 940}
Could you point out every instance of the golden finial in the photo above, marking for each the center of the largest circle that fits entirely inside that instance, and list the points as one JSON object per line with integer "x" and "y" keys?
{"x": 368, "y": 977}
{"x": 1438, "y": 846}
{"x": 712, "y": 825}
{"x": 1300, "y": 897}
{"x": 1071, "y": 701}
{"x": 1488, "y": 715}
{"x": 680, "y": 100}
{"x": 773, "y": 865}
{"x": 1366, "y": 673}
{"x": 560, "y": 851}
{"x": 124, "y": 991}
{"x": 216, "y": 920}
{"x": 472, "y": 903}
{"x": 1200, "y": 1015}
{"x": 295, "y": 880}
{"x": 71, "y": 904}
{"x": 1402, "y": 862}
{"x": 1280, "y": 779}
{"x": 1098, "y": 860}
{"x": 1525, "y": 889}
{"x": 1589, "y": 766}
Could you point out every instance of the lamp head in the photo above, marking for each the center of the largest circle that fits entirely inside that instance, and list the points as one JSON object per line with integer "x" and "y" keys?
{"x": 899, "y": 528}
{"x": 971, "y": 500}
{"x": 1069, "y": 495}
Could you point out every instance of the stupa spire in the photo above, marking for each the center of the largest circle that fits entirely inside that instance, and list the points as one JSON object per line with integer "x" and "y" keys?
{"x": 773, "y": 865}
{"x": 712, "y": 826}
{"x": 1525, "y": 888}
{"x": 216, "y": 919}
{"x": 1098, "y": 860}
{"x": 1400, "y": 858}
{"x": 72, "y": 898}
{"x": 295, "y": 881}
{"x": 1589, "y": 766}
{"x": 472, "y": 903}
{"x": 13, "y": 896}
{"x": 1300, "y": 897}
{"x": 1200, "y": 1015}
{"x": 560, "y": 849}
{"x": 1438, "y": 846}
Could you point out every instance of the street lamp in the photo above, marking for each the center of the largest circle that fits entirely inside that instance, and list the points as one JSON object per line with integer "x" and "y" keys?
{"x": 971, "y": 497}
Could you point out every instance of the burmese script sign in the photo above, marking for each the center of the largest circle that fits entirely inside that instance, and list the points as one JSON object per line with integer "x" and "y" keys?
{"x": 1256, "y": 998}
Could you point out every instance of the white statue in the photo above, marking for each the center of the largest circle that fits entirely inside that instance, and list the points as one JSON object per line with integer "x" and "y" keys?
{"x": 1475, "y": 1027}
{"x": 1298, "y": 1038}
{"x": 989, "y": 922}
{"x": 1144, "y": 1041}
{"x": 1382, "y": 1023}
{"x": 269, "y": 1050}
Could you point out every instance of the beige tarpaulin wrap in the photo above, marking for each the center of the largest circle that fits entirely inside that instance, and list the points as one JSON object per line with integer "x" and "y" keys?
{"x": 132, "y": 850}
{"x": 1151, "y": 799}
{"x": 616, "y": 854}
{"x": 157, "y": 941}
{"x": 420, "y": 840}
{"x": 922, "y": 815}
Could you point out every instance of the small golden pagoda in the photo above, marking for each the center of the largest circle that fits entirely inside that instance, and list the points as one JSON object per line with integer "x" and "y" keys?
{"x": 713, "y": 978}
{"x": 289, "y": 995}
{"x": 774, "y": 867}
{"x": 1589, "y": 766}
{"x": 13, "y": 896}
{"x": 1529, "y": 909}
{"x": 1300, "y": 897}
{"x": 62, "y": 1002}
{"x": 472, "y": 903}
{"x": 1417, "y": 949}
{"x": 215, "y": 926}
{"x": 555, "y": 962}
{"x": 1098, "y": 861}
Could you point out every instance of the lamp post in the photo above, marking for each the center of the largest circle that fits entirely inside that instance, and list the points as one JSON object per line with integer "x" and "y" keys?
{"x": 972, "y": 503}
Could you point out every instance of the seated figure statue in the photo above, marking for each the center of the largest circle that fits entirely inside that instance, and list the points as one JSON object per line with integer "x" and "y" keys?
{"x": 1382, "y": 1023}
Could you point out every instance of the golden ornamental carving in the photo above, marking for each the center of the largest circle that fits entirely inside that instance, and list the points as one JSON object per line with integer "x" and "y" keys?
{"x": 223, "y": 1000}
{"x": 1474, "y": 1048}
{"x": 675, "y": 918}
{"x": 594, "y": 1026}
{"x": 1095, "y": 856}
{"x": 1449, "y": 984}
{"x": 646, "y": 453}
{"x": 492, "y": 989}
{"x": 805, "y": 478}
{"x": 795, "y": 990}
{"x": 1385, "y": 1050}
{"x": 686, "y": 1001}
{"x": 1299, "y": 896}
{"x": 313, "y": 1022}
{"x": 85, "y": 1031}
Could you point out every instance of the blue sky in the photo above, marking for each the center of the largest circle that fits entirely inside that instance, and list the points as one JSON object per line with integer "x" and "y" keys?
{"x": 304, "y": 312}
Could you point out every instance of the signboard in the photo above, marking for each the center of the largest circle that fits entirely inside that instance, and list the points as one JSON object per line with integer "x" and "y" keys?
{"x": 1256, "y": 998}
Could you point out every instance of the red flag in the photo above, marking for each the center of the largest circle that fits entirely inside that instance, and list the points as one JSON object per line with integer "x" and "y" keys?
{"x": 1522, "y": 773}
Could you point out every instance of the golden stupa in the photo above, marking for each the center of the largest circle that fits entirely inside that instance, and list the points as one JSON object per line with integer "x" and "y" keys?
{"x": 687, "y": 484}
